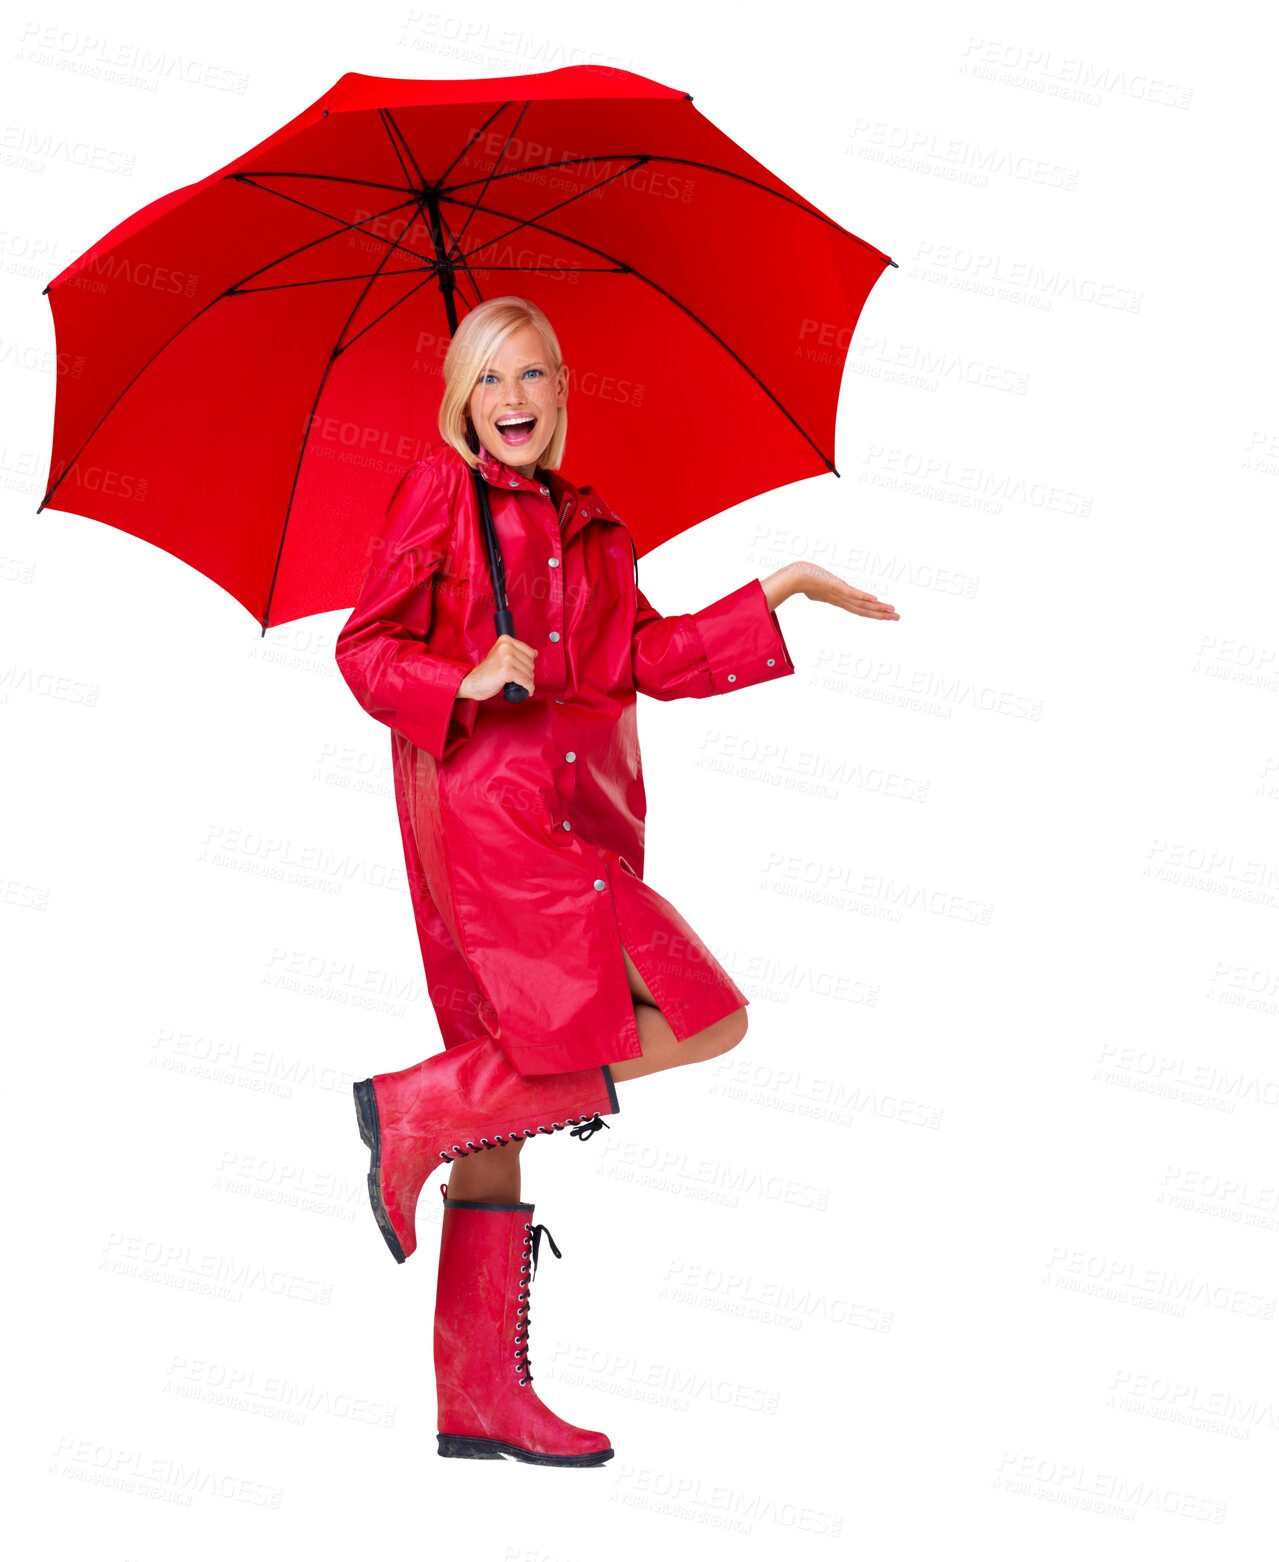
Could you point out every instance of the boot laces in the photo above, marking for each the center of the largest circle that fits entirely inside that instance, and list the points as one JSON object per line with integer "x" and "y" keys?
{"x": 586, "y": 1126}
{"x": 532, "y": 1244}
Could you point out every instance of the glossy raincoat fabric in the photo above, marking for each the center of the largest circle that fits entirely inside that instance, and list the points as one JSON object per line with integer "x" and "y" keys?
{"x": 523, "y": 823}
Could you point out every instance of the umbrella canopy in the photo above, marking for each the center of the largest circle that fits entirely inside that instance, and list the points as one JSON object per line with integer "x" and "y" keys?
{"x": 261, "y": 350}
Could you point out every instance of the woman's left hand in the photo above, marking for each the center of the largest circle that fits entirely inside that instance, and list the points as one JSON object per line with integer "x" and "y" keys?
{"x": 818, "y": 583}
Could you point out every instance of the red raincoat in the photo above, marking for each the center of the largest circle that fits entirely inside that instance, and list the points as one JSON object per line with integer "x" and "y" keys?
{"x": 523, "y": 824}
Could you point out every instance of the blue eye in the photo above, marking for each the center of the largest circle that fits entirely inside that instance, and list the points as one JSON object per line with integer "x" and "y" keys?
{"x": 490, "y": 374}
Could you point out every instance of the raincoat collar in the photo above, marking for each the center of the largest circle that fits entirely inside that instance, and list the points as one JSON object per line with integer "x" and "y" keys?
{"x": 586, "y": 504}
{"x": 503, "y": 476}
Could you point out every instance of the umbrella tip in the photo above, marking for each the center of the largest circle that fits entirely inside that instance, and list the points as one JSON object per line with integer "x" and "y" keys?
{"x": 892, "y": 262}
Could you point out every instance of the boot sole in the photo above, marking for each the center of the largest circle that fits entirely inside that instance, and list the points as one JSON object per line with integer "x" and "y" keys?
{"x": 452, "y": 1447}
{"x": 366, "y": 1116}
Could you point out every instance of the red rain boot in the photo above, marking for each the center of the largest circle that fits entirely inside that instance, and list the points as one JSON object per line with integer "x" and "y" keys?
{"x": 488, "y": 1408}
{"x": 458, "y": 1102}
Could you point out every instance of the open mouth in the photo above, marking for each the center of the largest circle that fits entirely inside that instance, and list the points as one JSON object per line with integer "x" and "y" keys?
{"x": 517, "y": 431}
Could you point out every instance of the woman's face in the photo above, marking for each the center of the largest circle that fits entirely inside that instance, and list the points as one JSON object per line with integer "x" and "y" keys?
{"x": 514, "y": 403}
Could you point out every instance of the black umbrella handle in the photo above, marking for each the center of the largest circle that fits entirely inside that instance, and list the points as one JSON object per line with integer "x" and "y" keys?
{"x": 503, "y": 622}
{"x": 505, "y": 625}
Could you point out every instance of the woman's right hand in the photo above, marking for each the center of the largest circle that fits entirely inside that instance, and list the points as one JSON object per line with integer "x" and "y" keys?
{"x": 510, "y": 661}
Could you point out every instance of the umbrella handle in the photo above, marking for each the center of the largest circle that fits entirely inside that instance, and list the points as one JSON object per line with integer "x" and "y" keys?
{"x": 505, "y": 625}
{"x": 503, "y": 622}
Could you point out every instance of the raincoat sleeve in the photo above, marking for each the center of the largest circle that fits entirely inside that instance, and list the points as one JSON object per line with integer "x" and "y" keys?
{"x": 732, "y": 644}
{"x": 381, "y": 651}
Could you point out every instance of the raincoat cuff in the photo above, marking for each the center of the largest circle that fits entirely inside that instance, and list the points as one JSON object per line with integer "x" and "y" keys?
{"x": 742, "y": 640}
{"x": 428, "y": 710}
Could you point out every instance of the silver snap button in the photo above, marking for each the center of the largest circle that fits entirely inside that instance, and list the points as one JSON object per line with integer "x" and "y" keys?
{"x": 567, "y": 825}
{"x": 555, "y": 634}
{"x": 583, "y": 512}
{"x": 732, "y": 677}
{"x": 545, "y": 489}
{"x": 554, "y": 563}
{"x": 513, "y": 482}
{"x": 599, "y": 883}
{"x": 570, "y": 756}
{"x": 559, "y": 702}
{"x": 772, "y": 661}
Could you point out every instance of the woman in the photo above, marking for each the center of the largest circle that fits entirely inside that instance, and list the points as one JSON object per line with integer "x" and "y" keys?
{"x": 554, "y": 970}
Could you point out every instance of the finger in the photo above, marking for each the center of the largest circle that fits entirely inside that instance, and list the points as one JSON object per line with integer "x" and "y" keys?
{"x": 844, "y": 595}
{"x": 518, "y": 666}
{"x": 861, "y": 602}
{"x": 516, "y": 670}
{"x": 507, "y": 647}
{"x": 520, "y": 645}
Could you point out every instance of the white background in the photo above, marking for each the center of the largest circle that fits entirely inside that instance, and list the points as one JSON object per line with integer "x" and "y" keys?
{"x": 972, "y": 1242}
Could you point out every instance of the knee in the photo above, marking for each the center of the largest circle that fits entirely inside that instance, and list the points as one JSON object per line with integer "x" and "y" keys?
{"x": 731, "y": 1029}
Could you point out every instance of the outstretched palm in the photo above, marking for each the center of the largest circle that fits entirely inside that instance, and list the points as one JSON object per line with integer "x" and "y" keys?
{"x": 804, "y": 578}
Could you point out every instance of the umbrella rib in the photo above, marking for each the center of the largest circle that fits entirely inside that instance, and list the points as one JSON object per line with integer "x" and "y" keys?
{"x": 568, "y": 200}
{"x": 532, "y": 266}
{"x": 500, "y": 109}
{"x": 689, "y": 162}
{"x": 622, "y": 265}
{"x": 229, "y": 292}
{"x": 334, "y": 354}
{"x": 390, "y": 308}
{"x": 456, "y": 284}
{"x": 392, "y": 130}
{"x": 343, "y": 227}
{"x": 295, "y": 173}
{"x": 352, "y": 276}
{"x": 389, "y": 117}
{"x": 403, "y": 299}
{"x": 444, "y": 223}
{"x": 496, "y": 164}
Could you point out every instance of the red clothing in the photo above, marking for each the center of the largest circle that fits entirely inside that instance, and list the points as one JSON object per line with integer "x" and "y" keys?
{"x": 523, "y": 823}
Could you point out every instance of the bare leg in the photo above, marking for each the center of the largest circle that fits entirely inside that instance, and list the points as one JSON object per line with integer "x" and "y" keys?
{"x": 494, "y": 1175}
{"x": 491, "y": 1177}
{"x": 661, "y": 1048}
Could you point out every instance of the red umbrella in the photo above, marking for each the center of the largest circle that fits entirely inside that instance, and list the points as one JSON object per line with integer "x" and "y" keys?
{"x": 261, "y": 349}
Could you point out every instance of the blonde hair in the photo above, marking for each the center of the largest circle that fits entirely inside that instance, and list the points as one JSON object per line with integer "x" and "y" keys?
{"x": 478, "y": 336}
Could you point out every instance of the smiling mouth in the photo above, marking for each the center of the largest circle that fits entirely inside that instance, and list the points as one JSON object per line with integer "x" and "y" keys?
{"x": 518, "y": 431}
